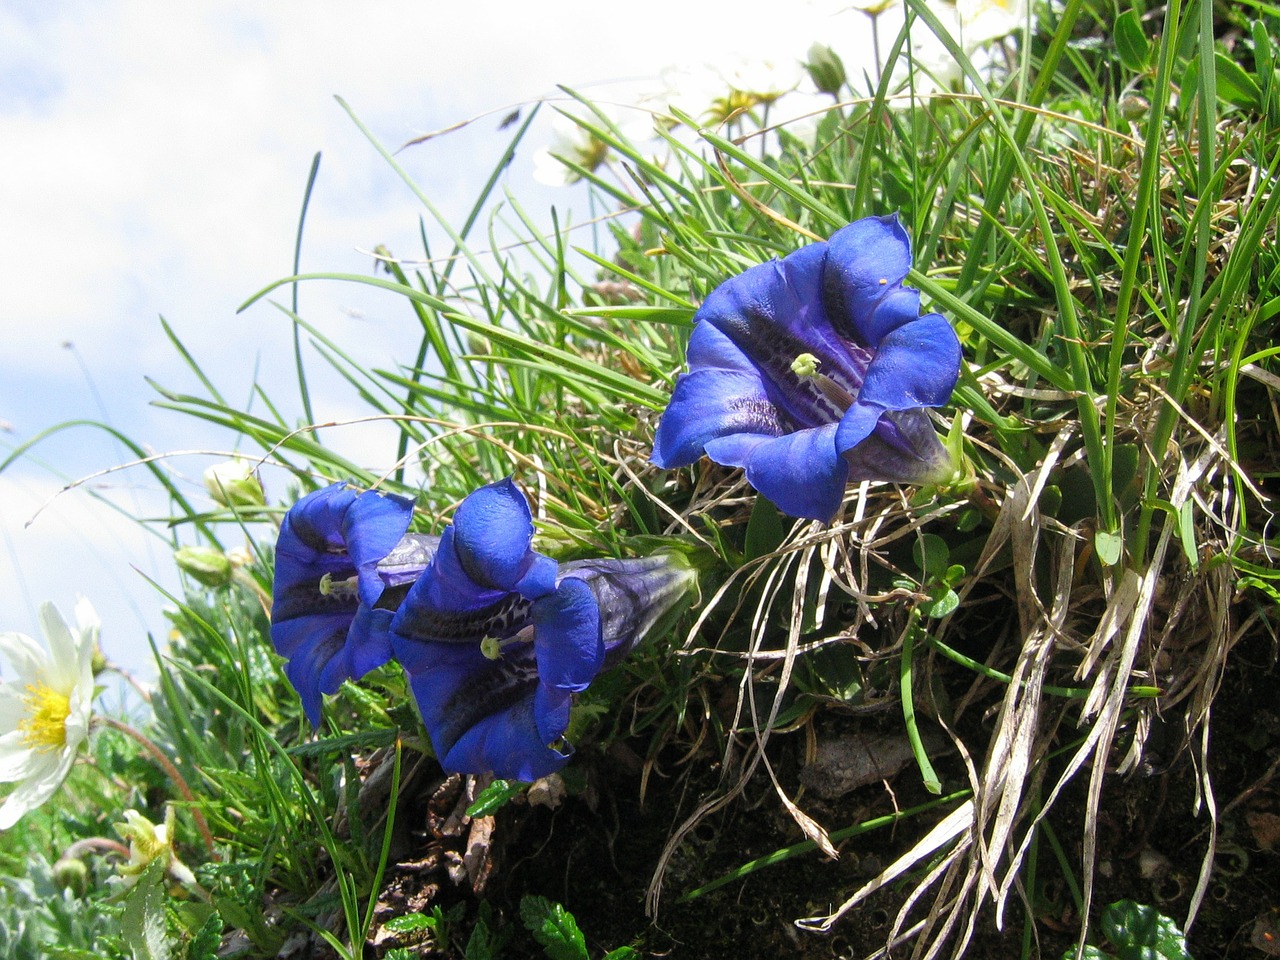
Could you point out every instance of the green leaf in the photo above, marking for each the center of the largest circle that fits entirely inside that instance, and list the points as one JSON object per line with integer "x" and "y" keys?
{"x": 143, "y": 922}
{"x": 207, "y": 941}
{"x": 554, "y": 927}
{"x": 1109, "y": 547}
{"x": 765, "y": 529}
{"x": 945, "y": 601}
{"x": 931, "y": 554}
{"x": 1234, "y": 85}
{"x": 1131, "y": 43}
{"x": 410, "y": 923}
{"x": 1143, "y": 933}
{"x": 495, "y": 796}
{"x": 1187, "y": 533}
{"x": 622, "y": 953}
{"x": 1259, "y": 584}
{"x": 483, "y": 944}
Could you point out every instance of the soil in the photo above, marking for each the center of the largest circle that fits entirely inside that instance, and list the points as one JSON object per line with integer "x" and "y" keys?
{"x": 596, "y": 851}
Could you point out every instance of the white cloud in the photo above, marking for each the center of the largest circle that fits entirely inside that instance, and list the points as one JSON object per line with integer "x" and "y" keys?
{"x": 152, "y": 161}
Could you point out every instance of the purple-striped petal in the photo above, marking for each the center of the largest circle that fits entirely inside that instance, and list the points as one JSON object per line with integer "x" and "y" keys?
{"x": 903, "y": 448}
{"x": 635, "y": 595}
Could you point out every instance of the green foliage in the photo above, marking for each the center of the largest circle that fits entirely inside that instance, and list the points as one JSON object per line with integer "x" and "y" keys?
{"x": 39, "y": 919}
{"x": 554, "y": 928}
{"x": 494, "y": 797}
{"x": 144, "y": 922}
{"x": 1099, "y": 224}
{"x": 1137, "y": 932}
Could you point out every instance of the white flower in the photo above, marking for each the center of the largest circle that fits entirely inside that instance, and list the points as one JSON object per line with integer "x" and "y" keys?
{"x": 982, "y": 21}
{"x": 712, "y": 92}
{"x": 571, "y": 141}
{"x": 149, "y": 842}
{"x": 44, "y": 714}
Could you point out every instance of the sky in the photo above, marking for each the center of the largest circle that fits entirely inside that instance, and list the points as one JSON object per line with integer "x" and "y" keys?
{"x": 153, "y": 157}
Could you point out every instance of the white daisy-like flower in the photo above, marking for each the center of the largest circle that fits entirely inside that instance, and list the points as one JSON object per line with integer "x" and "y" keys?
{"x": 45, "y": 712}
{"x": 982, "y": 21}
{"x": 570, "y": 141}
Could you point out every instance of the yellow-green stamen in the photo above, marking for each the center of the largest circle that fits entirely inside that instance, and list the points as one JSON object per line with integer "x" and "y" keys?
{"x": 45, "y": 726}
{"x": 491, "y": 647}
{"x": 340, "y": 588}
{"x": 805, "y": 366}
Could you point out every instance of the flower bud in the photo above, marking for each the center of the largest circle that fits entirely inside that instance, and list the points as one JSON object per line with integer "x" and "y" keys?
{"x": 204, "y": 565}
{"x": 70, "y": 873}
{"x": 826, "y": 69}
{"x": 233, "y": 484}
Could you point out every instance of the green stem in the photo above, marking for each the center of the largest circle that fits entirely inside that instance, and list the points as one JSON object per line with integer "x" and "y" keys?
{"x": 931, "y": 782}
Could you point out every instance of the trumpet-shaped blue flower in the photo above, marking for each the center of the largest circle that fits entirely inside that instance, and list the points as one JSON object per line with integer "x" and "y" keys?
{"x": 813, "y": 370}
{"x": 340, "y": 555}
{"x": 497, "y": 638}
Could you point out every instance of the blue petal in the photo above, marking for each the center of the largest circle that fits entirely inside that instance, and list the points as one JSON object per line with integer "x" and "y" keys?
{"x": 490, "y": 715}
{"x": 369, "y": 640}
{"x": 372, "y": 527}
{"x": 311, "y": 542}
{"x": 336, "y": 533}
{"x": 866, "y": 260}
{"x": 801, "y": 472}
{"x": 903, "y": 448}
{"x": 916, "y": 366}
{"x": 493, "y": 532}
{"x": 516, "y": 744}
{"x": 899, "y": 306}
{"x": 712, "y": 403}
{"x": 445, "y": 605}
{"x": 568, "y": 641}
{"x": 312, "y": 646}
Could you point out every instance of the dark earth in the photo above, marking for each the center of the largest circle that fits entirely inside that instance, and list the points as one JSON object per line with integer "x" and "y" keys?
{"x": 596, "y": 850}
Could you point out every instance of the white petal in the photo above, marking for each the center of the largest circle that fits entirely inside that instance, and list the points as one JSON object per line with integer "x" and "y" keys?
{"x": 80, "y": 716}
{"x": 13, "y": 709}
{"x": 17, "y": 760}
{"x": 89, "y": 627}
{"x": 62, "y": 646}
{"x": 34, "y": 791}
{"x": 28, "y": 660}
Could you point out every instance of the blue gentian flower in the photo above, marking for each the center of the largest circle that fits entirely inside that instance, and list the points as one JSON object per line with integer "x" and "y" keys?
{"x": 330, "y": 581}
{"x": 496, "y": 638}
{"x": 813, "y": 371}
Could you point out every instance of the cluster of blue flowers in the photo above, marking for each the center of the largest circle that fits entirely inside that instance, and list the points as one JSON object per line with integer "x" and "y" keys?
{"x": 494, "y": 637}
{"x": 810, "y": 372}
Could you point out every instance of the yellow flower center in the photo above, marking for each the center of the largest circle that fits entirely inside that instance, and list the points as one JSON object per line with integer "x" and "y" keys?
{"x": 45, "y": 726}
